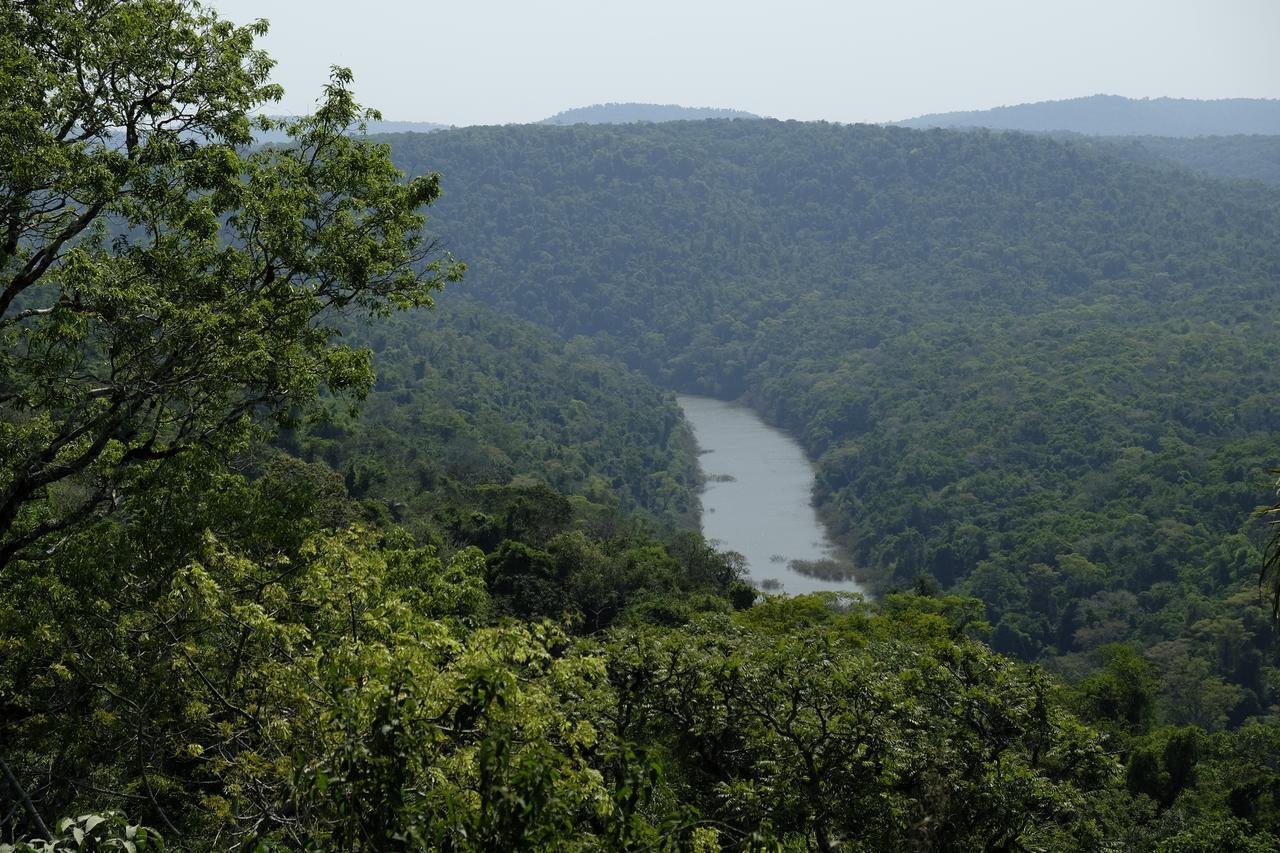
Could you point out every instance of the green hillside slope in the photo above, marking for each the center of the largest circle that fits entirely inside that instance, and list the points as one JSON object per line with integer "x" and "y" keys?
{"x": 468, "y": 395}
{"x": 1252, "y": 158}
{"x": 1031, "y": 373}
{"x": 1027, "y": 370}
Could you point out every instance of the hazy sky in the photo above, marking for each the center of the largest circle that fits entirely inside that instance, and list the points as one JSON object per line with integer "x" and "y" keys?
{"x": 491, "y": 62}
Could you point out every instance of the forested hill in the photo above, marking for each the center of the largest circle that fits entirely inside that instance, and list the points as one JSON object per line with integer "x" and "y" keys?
{"x": 1029, "y": 371}
{"x": 1112, "y": 115}
{"x": 1033, "y": 373}
{"x": 469, "y": 396}
{"x": 1237, "y": 139}
{"x": 631, "y": 113}
{"x": 1255, "y": 158}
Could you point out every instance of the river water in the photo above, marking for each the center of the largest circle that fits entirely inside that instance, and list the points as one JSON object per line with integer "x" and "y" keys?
{"x": 758, "y": 499}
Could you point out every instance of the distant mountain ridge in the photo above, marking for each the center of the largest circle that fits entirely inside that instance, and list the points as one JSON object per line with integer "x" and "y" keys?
{"x": 631, "y": 113}
{"x": 276, "y": 136}
{"x": 1113, "y": 115}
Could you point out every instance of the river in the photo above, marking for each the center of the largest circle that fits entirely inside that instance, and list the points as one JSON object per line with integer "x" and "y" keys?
{"x": 758, "y": 499}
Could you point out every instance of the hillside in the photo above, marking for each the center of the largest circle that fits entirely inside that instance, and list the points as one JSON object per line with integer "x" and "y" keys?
{"x": 236, "y": 613}
{"x": 1251, "y": 158}
{"x": 468, "y": 396}
{"x": 631, "y": 113}
{"x": 1028, "y": 371}
{"x": 1112, "y": 115}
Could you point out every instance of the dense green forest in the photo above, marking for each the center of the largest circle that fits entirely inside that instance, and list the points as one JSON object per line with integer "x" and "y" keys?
{"x": 237, "y": 613}
{"x": 1255, "y": 158}
{"x": 1029, "y": 371}
{"x": 473, "y": 396}
{"x": 1112, "y": 115}
{"x": 1239, "y": 157}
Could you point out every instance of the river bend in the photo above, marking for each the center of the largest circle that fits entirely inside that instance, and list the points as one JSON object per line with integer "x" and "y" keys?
{"x": 758, "y": 498}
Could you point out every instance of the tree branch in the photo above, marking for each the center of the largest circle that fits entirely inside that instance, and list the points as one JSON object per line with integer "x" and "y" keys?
{"x": 26, "y": 800}
{"x": 40, "y": 262}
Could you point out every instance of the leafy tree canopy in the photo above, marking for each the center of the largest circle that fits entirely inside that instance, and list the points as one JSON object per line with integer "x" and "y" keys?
{"x": 1027, "y": 370}
{"x": 161, "y": 288}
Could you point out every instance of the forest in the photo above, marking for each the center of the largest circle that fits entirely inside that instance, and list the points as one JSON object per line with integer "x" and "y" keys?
{"x": 345, "y": 502}
{"x": 1250, "y": 158}
{"x": 1029, "y": 372}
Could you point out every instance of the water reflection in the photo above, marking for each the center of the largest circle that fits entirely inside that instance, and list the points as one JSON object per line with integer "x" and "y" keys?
{"x": 758, "y": 497}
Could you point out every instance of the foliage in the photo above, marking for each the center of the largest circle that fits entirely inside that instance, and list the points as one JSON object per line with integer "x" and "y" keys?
{"x": 1253, "y": 157}
{"x": 867, "y": 731}
{"x": 160, "y": 288}
{"x": 92, "y": 832}
{"x": 1027, "y": 370}
{"x": 220, "y": 654}
{"x": 1210, "y": 792}
{"x": 273, "y": 685}
{"x": 469, "y": 396}
{"x": 250, "y": 651}
{"x": 1271, "y": 557}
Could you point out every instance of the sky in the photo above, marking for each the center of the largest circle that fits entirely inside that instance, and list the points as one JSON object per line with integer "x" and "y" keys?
{"x": 500, "y": 61}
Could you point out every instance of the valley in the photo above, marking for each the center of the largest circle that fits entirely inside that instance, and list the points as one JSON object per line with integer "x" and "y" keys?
{"x": 648, "y": 478}
{"x": 1026, "y": 370}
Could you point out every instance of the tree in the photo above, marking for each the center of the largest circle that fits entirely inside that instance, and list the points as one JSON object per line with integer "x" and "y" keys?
{"x": 1271, "y": 556}
{"x": 162, "y": 287}
{"x": 882, "y": 729}
{"x": 1121, "y": 696}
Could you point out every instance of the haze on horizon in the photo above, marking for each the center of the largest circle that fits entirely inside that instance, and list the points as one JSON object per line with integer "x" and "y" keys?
{"x": 499, "y": 61}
